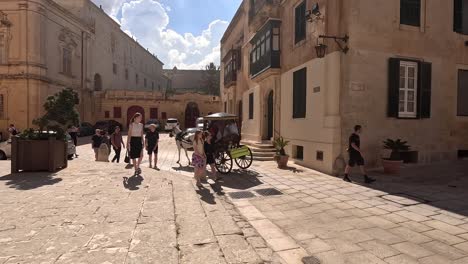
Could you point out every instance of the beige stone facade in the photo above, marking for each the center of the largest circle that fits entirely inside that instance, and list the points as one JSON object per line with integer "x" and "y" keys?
{"x": 357, "y": 87}
{"x": 48, "y": 45}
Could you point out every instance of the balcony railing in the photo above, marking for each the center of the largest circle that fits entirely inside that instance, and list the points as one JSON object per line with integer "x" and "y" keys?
{"x": 265, "y": 53}
{"x": 230, "y": 79}
{"x": 270, "y": 60}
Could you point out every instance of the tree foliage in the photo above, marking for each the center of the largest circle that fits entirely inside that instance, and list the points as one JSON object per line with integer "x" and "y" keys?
{"x": 211, "y": 79}
{"x": 60, "y": 112}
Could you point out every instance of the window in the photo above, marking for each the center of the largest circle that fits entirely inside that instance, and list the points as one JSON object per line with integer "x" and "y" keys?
{"x": 106, "y": 114}
{"x": 299, "y": 93}
{"x": 225, "y": 107}
{"x": 460, "y": 16}
{"x": 117, "y": 112}
{"x": 300, "y": 22}
{"x": 136, "y": 78}
{"x": 299, "y": 152}
{"x": 319, "y": 156}
{"x": 154, "y": 113}
{"x": 265, "y": 49}
{"x": 163, "y": 115}
{"x": 3, "y": 53}
{"x": 462, "y": 96}
{"x": 97, "y": 82}
{"x": 2, "y": 107}
{"x": 409, "y": 89}
{"x": 410, "y": 12}
{"x": 114, "y": 68}
{"x": 251, "y": 106}
{"x": 66, "y": 61}
{"x": 126, "y": 74}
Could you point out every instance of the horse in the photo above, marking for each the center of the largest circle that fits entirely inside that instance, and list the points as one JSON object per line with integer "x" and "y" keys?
{"x": 183, "y": 142}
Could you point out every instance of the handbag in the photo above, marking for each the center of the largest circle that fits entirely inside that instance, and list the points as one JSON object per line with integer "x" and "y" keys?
{"x": 127, "y": 158}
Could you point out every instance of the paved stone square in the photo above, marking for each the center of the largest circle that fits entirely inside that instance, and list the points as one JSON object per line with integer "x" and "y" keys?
{"x": 88, "y": 214}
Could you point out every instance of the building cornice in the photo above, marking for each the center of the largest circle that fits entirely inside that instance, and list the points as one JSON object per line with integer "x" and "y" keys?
{"x": 233, "y": 22}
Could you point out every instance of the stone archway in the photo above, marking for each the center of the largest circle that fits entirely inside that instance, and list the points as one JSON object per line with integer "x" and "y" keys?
{"x": 133, "y": 110}
{"x": 191, "y": 114}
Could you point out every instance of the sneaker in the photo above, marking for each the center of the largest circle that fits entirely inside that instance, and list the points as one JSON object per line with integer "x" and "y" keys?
{"x": 346, "y": 179}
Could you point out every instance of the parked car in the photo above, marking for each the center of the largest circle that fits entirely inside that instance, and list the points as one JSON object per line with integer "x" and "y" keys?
{"x": 152, "y": 121}
{"x": 171, "y": 123}
{"x": 86, "y": 129}
{"x": 5, "y": 150}
{"x": 71, "y": 149}
{"x": 107, "y": 125}
{"x": 199, "y": 123}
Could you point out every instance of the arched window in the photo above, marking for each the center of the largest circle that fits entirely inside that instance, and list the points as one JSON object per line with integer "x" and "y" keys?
{"x": 97, "y": 82}
{"x": 2, "y": 107}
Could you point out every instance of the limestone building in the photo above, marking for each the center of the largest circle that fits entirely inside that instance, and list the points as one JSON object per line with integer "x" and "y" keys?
{"x": 47, "y": 45}
{"x": 398, "y": 67}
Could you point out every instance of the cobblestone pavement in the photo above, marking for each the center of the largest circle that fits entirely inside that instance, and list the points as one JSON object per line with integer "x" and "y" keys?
{"x": 85, "y": 214}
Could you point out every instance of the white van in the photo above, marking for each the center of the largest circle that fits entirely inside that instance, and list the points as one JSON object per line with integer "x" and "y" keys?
{"x": 171, "y": 123}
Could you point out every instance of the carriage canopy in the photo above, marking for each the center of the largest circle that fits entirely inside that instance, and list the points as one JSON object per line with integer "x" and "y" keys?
{"x": 220, "y": 116}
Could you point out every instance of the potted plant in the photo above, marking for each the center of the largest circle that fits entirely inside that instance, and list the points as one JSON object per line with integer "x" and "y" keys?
{"x": 281, "y": 157}
{"x": 392, "y": 164}
{"x": 45, "y": 148}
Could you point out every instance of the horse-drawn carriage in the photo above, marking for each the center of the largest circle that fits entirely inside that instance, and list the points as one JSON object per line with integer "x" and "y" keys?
{"x": 226, "y": 140}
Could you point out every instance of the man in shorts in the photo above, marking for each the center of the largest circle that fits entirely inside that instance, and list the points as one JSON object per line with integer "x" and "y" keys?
{"x": 96, "y": 142}
{"x": 151, "y": 145}
{"x": 355, "y": 155}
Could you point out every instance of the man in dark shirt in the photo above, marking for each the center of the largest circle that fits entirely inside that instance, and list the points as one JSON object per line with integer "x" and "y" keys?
{"x": 355, "y": 155}
{"x": 151, "y": 144}
{"x": 97, "y": 141}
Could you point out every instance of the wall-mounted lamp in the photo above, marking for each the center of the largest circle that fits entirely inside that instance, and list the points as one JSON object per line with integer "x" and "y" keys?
{"x": 314, "y": 13}
{"x": 321, "y": 49}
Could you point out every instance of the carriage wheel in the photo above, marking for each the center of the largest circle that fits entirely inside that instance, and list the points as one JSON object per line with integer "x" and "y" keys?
{"x": 245, "y": 162}
{"x": 223, "y": 162}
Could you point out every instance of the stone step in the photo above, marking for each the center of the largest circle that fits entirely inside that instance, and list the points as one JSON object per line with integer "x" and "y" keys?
{"x": 254, "y": 149}
{"x": 263, "y": 154}
{"x": 256, "y": 158}
{"x": 258, "y": 145}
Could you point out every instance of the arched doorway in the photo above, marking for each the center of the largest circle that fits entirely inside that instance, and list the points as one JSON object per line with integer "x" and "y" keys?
{"x": 191, "y": 114}
{"x": 133, "y": 110}
{"x": 270, "y": 116}
{"x": 97, "y": 82}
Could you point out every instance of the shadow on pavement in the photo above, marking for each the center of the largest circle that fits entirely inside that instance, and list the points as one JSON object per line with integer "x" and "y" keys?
{"x": 293, "y": 169}
{"x": 206, "y": 196}
{"x": 442, "y": 185}
{"x": 133, "y": 182}
{"x": 187, "y": 168}
{"x": 28, "y": 181}
{"x": 239, "y": 180}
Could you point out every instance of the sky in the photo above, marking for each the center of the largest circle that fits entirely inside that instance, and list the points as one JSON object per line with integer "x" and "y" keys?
{"x": 182, "y": 33}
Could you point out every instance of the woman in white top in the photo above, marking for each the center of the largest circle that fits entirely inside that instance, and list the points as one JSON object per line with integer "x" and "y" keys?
{"x": 135, "y": 141}
{"x": 199, "y": 157}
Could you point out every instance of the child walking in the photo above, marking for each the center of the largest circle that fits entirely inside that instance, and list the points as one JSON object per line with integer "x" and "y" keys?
{"x": 198, "y": 158}
{"x": 151, "y": 145}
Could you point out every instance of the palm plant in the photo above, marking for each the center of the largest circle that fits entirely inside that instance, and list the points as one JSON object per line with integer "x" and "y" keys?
{"x": 280, "y": 144}
{"x": 396, "y": 146}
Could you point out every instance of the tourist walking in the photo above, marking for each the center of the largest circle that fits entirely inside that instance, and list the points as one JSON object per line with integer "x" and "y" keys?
{"x": 198, "y": 157}
{"x": 117, "y": 143}
{"x": 12, "y": 130}
{"x": 151, "y": 144}
{"x": 135, "y": 141}
{"x": 355, "y": 155}
{"x": 73, "y": 132}
{"x": 96, "y": 142}
{"x": 209, "y": 152}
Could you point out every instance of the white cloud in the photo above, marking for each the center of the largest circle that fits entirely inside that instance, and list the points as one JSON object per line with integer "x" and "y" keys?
{"x": 147, "y": 21}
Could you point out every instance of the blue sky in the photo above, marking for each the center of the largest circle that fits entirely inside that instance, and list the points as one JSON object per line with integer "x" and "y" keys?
{"x": 182, "y": 33}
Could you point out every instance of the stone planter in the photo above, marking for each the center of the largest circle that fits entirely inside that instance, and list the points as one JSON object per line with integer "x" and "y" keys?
{"x": 391, "y": 166}
{"x": 38, "y": 155}
{"x": 282, "y": 161}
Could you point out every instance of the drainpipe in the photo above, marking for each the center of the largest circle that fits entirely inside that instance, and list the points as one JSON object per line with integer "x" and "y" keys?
{"x": 27, "y": 69}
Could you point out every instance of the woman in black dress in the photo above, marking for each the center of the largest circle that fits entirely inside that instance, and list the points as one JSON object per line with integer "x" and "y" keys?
{"x": 135, "y": 141}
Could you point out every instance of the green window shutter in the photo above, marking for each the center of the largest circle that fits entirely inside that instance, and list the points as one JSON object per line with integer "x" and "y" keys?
{"x": 300, "y": 93}
{"x": 251, "y": 106}
{"x": 424, "y": 90}
{"x": 458, "y": 16}
{"x": 393, "y": 87}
